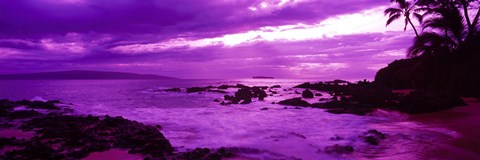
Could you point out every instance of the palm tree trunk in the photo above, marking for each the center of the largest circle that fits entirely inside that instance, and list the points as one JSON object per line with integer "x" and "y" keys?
{"x": 414, "y": 29}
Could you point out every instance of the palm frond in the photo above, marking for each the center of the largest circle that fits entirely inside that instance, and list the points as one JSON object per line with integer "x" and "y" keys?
{"x": 418, "y": 17}
{"x": 393, "y": 18}
{"x": 391, "y": 11}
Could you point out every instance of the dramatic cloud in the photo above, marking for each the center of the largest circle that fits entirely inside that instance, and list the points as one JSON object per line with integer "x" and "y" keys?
{"x": 201, "y": 38}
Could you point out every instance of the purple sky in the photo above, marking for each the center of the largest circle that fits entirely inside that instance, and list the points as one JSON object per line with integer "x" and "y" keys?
{"x": 201, "y": 38}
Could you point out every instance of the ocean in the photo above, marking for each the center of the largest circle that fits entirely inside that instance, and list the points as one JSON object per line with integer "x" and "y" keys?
{"x": 195, "y": 120}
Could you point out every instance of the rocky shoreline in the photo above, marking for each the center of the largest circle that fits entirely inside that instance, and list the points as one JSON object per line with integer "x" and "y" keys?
{"x": 360, "y": 98}
{"x": 57, "y": 133}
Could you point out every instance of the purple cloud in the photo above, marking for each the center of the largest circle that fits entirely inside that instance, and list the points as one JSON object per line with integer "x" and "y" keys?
{"x": 199, "y": 39}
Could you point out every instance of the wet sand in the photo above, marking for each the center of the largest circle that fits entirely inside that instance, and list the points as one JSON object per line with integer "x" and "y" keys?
{"x": 464, "y": 120}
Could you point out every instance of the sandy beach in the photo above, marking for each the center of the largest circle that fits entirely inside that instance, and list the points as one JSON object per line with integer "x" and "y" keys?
{"x": 463, "y": 120}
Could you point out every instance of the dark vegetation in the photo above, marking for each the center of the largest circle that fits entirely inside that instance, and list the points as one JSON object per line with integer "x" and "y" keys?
{"x": 445, "y": 55}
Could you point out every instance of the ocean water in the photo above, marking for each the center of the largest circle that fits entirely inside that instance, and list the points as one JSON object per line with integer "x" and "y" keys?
{"x": 194, "y": 120}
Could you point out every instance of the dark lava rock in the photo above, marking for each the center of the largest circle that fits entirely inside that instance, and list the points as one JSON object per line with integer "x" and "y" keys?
{"x": 173, "y": 90}
{"x": 228, "y": 97}
{"x": 7, "y": 104}
{"x": 307, "y": 94}
{"x": 34, "y": 150}
{"x": 425, "y": 102}
{"x": 318, "y": 94}
{"x": 296, "y": 92}
{"x": 303, "y": 85}
{"x": 6, "y": 142}
{"x": 374, "y": 137}
{"x": 264, "y": 109}
{"x": 276, "y": 86}
{"x": 216, "y": 91}
{"x": 38, "y": 104}
{"x": 22, "y": 114}
{"x": 77, "y": 136}
{"x": 244, "y": 95}
{"x": 344, "y": 107}
{"x": 376, "y": 133}
{"x": 216, "y": 100}
{"x": 260, "y": 93}
{"x": 339, "y": 149}
{"x": 295, "y": 102}
{"x": 196, "y": 89}
{"x": 206, "y": 154}
{"x": 371, "y": 140}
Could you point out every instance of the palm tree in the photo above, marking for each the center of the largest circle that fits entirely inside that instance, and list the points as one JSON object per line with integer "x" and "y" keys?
{"x": 430, "y": 44}
{"x": 405, "y": 9}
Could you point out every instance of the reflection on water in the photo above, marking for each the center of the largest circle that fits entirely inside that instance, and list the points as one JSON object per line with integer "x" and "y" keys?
{"x": 194, "y": 120}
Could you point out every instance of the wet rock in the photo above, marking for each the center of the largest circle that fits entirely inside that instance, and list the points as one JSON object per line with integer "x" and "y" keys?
{"x": 23, "y": 114}
{"x": 244, "y": 95}
{"x": 344, "y": 107}
{"x": 264, "y": 109}
{"x": 376, "y": 133}
{"x": 323, "y": 99}
{"x": 196, "y": 89}
{"x": 6, "y": 142}
{"x": 35, "y": 150}
{"x": 373, "y": 137}
{"x": 261, "y": 94}
{"x": 38, "y": 104}
{"x": 7, "y": 104}
{"x": 228, "y": 97}
{"x": 307, "y": 94}
{"x": 217, "y": 91}
{"x": 339, "y": 149}
{"x": 206, "y": 154}
{"x": 172, "y": 90}
{"x": 295, "y": 102}
{"x": 246, "y": 101}
{"x": 77, "y": 136}
{"x": 303, "y": 85}
{"x": 276, "y": 86}
{"x": 371, "y": 140}
{"x": 228, "y": 86}
{"x": 216, "y": 100}
{"x": 318, "y": 94}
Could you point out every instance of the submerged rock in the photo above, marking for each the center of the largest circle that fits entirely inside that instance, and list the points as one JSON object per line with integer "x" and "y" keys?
{"x": 339, "y": 149}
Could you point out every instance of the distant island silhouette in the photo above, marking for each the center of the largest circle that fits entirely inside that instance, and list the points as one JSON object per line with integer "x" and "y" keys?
{"x": 79, "y": 75}
{"x": 262, "y": 77}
